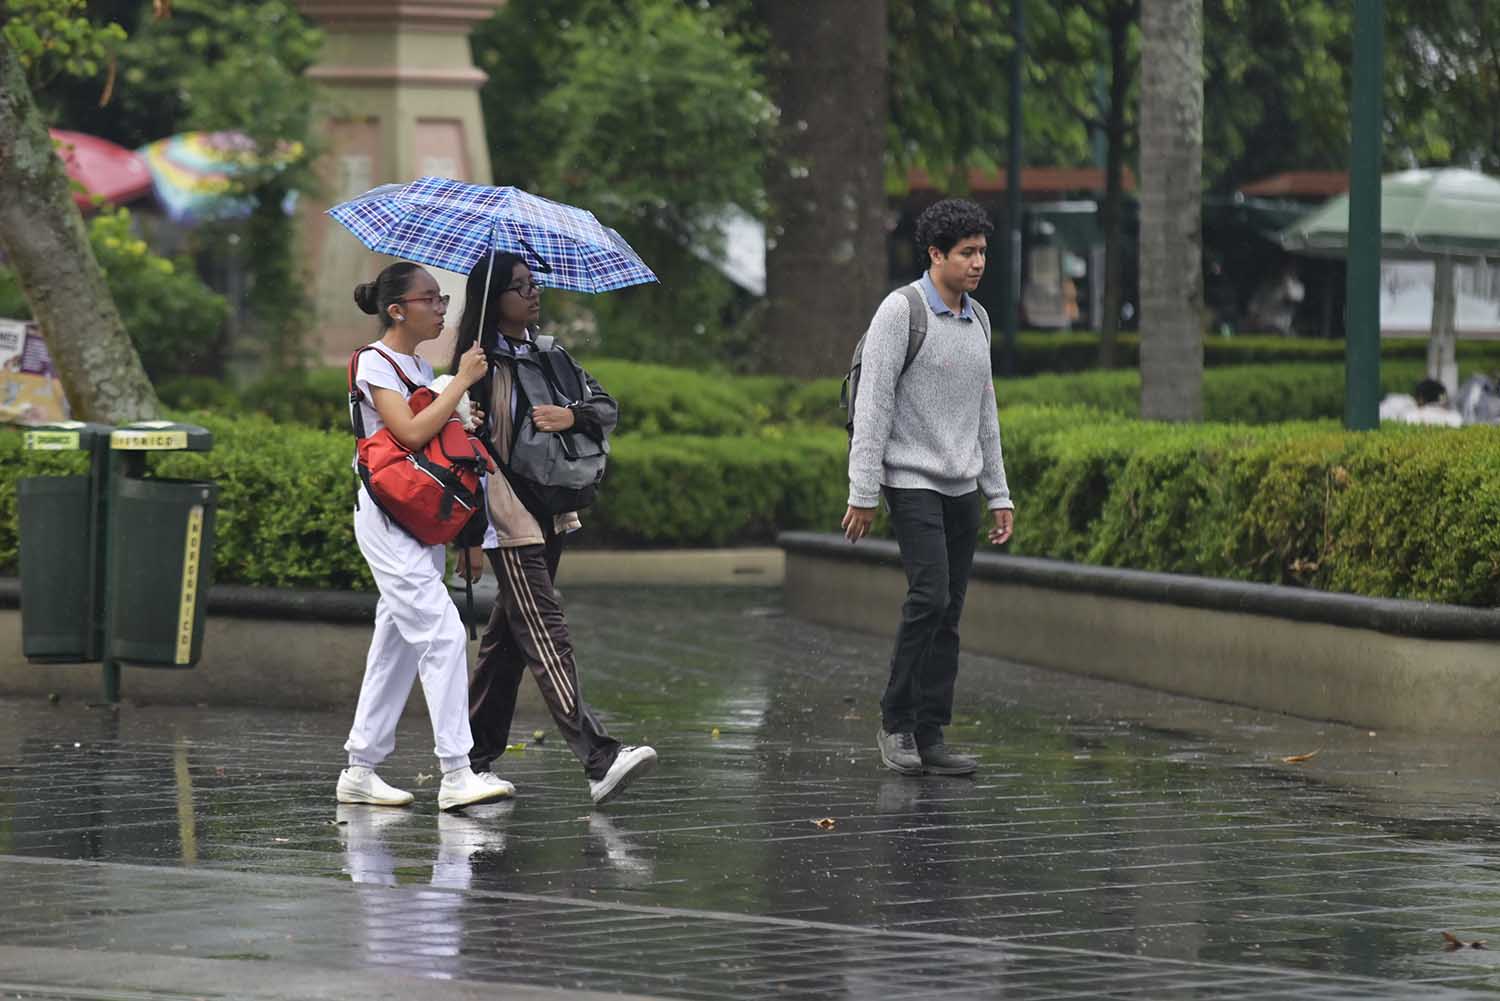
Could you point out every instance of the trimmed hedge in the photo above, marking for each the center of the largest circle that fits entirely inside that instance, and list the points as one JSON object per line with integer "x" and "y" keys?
{"x": 286, "y": 495}
{"x": 1247, "y": 394}
{"x": 1404, "y": 512}
{"x": 656, "y": 399}
{"x": 1038, "y": 353}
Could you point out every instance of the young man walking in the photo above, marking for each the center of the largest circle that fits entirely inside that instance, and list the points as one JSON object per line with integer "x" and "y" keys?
{"x": 926, "y": 437}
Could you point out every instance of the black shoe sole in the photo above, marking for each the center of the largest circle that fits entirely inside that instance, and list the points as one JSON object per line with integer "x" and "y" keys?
{"x": 900, "y": 769}
{"x": 951, "y": 772}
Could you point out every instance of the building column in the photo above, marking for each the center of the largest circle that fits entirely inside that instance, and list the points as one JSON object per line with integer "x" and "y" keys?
{"x": 402, "y": 94}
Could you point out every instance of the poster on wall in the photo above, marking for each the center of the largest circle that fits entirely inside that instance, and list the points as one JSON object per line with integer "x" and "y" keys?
{"x": 30, "y": 392}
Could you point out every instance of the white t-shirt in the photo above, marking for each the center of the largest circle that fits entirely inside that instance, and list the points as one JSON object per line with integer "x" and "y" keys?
{"x": 374, "y": 372}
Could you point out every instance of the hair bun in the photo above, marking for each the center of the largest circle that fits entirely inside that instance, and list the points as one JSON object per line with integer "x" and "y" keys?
{"x": 366, "y": 299}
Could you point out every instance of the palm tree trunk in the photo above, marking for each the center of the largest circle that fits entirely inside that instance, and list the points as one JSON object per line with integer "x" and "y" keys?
{"x": 826, "y": 264}
{"x": 1171, "y": 210}
{"x": 44, "y": 240}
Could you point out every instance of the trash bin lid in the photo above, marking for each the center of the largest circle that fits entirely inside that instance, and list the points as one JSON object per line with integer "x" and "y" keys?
{"x": 64, "y": 436}
{"x": 161, "y": 436}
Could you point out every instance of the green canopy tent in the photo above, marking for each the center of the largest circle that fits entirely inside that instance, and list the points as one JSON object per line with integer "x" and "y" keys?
{"x": 1442, "y": 215}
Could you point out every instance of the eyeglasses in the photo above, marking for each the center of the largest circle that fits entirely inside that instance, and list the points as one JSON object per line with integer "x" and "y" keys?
{"x": 525, "y": 290}
{"x": 439, "y": 299}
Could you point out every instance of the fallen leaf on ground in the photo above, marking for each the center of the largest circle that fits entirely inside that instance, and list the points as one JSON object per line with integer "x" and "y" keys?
{"x": 515, "y": 747}
{"x": 714, "y": 733}
{"x": 423, "y": 778}
{"x": 827, "y": 823}
{"x": 1294, "y": 759}
{"x": 1453, "y": 943}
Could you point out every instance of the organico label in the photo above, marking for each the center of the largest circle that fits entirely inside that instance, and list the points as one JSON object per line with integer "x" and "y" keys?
{"x": 51, "y": 441}
{"x": 187, "y": 607}
{"x": 147, "y": 441}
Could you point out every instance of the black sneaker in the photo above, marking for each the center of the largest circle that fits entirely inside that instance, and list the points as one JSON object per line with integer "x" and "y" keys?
{"x": 898, "y": 752}
{"x": 938, "y": 760}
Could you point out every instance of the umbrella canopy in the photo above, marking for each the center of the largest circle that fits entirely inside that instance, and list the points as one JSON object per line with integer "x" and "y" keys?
{"x": 452, "y": 225}
{"x": 197, "y": 175}
{"x": 104, "y": 169}
{"x": 1424, "y": 214}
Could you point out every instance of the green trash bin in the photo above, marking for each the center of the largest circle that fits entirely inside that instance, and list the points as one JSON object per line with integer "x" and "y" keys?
{"x": 61, "y": 531}
{"x": 161, "y": 545}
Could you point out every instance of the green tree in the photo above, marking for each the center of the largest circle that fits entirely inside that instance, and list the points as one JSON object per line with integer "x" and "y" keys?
{"x": 652, "y": 114}
{"x": 211, "y": 66}
{"x": 43, "y": 236}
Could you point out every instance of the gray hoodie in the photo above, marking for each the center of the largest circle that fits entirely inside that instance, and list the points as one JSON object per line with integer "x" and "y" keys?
{"x": 935, "y": 428}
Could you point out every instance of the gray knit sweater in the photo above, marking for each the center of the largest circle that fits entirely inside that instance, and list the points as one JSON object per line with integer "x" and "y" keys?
{"x": 935, "y": 428}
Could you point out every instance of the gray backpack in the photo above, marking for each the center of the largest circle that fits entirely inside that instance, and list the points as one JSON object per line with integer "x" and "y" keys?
{"x": 916, "y": 334}
{"x": 562, "y": 469}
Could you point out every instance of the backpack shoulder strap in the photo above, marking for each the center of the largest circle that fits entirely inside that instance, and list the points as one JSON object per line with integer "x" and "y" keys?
{"x": 984, "y": 318}
{"x": 916, "y": 324}
{"x": 356, "y": 395}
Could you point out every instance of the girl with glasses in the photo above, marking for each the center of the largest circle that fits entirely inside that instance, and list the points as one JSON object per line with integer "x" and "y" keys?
{"x": 418, "y": 633}
{"x": 528, "y": 630}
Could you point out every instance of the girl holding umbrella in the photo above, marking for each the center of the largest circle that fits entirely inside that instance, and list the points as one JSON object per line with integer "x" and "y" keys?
{"x": 418, "y": 633}
{"x": 523, "y": 540}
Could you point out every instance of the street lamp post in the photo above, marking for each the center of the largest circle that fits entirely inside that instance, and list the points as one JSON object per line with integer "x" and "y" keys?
{"x": 1013, "y": 188}
{"x": 1362, "y": 318}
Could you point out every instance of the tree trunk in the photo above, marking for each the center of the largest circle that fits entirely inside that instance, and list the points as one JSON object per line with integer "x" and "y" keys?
{"x": 45, "y": 241}
{"x": 1171, "y": 210}
{"x": 826, "y": 263}
{"x": 1120, "y": 17}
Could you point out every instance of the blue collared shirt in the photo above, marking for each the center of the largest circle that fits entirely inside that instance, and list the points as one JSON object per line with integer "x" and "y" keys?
{"x": 937, "y": 305}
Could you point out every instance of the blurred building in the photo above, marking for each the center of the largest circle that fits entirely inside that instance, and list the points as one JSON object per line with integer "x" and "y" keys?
{"x": 403, "y": 91}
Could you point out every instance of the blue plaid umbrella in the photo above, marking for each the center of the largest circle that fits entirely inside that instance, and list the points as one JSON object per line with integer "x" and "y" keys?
{"x": 452, "y": 225}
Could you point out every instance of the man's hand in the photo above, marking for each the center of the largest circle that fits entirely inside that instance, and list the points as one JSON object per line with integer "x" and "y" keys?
{"x": 550, "y": 418}
{"x": 857, "y": 522}
{"x": 1005, "y": 520}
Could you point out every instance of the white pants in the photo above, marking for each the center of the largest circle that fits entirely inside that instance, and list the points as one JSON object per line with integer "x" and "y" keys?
{"x": 418, "y": 633}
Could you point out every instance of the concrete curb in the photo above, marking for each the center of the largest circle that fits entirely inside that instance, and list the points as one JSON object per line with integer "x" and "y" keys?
{"x": 1371, "y": 662}
{"x": 306, "y": 649}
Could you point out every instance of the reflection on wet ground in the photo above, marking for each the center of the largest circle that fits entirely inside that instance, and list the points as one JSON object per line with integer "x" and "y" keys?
{"x": 1116, "y": 843}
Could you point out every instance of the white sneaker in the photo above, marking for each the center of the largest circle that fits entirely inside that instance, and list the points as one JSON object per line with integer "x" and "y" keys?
{"x": 461, "y": 787}
{"x": 507, "y": 789}
{"x": 358, "y": 784}
{"x": 630, "y": 764}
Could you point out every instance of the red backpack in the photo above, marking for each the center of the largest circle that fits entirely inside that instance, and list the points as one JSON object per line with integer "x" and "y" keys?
{"x": 432, "y": 492}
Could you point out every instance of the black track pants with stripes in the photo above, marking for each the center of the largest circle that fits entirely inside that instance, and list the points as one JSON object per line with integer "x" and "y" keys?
{"x": 528, "y": 629}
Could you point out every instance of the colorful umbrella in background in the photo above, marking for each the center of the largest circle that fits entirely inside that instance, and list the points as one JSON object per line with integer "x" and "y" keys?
{"x": 104, "y": 169}
{"x": 197, "y": 175}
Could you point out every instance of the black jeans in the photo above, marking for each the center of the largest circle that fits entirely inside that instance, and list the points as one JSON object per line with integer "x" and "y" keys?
{"x": 937, "y": 535}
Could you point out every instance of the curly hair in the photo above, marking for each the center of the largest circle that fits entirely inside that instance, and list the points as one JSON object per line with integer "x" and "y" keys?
{"x": 944, "y": 223}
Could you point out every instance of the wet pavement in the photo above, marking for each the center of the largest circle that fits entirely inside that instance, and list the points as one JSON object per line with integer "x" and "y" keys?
{"x": 1117, "y": 843}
